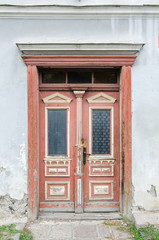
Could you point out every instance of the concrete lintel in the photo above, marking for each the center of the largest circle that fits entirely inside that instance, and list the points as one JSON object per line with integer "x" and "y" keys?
{"x": 98, "y": 48}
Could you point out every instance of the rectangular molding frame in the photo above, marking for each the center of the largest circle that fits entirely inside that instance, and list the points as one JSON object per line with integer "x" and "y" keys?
{"x": 111, "y": 129}
{"x": 56, "y": 167}
{"x": 101, "y": 182}
{"x": 125, "y": 62}
{"x": 67, "y": 197}
{"x": 101, "y": 167}
{"x": 46, "y": 131}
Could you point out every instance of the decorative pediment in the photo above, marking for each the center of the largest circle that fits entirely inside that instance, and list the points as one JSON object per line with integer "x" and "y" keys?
{"x": 101, "y": 98}
{"x": 57, "y": 98}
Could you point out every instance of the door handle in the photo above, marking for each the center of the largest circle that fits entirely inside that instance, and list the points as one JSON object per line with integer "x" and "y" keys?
{"x": 84, "y": 155}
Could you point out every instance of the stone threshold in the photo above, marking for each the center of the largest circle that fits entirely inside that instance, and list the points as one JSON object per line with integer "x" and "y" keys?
{"x": 79, "y": 216}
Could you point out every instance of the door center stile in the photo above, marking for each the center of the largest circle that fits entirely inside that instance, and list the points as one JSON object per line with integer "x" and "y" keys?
{"x": 79, "y": 163}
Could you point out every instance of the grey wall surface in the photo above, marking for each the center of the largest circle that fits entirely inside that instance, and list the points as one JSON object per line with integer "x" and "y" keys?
{"x": 145, "y": 96}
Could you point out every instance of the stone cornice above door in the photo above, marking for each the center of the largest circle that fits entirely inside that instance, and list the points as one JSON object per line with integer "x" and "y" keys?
{"x": 117, "y": 9}
{"x": 81, "y": 3}
{"x": 87, "y": 49}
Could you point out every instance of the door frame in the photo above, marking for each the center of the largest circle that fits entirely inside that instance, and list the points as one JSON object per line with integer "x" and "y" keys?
{"x": 125, "y": 62}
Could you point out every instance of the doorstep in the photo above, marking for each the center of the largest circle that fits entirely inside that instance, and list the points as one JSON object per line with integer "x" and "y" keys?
{"x": 79, "y": 216}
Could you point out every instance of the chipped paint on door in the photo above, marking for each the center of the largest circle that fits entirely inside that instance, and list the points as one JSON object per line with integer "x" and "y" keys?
{"x": 79, "y": 151}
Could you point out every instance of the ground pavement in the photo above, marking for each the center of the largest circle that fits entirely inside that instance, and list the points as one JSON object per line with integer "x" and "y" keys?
{"x": 69, "y": 226}
{"x": 75, "y": 230}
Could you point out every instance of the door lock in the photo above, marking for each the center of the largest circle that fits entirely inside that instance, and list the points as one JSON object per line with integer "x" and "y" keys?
{"x": 84, "y": 155}
{"x": 84, "y": 145}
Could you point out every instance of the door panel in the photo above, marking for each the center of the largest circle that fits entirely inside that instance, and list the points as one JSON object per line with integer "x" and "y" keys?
{"x": 101, "y": 133}
{"x": 57, "y": 151}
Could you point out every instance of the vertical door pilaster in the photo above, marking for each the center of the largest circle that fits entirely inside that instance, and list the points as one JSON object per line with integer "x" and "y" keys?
{"x": 126, "y": 141}
{"x": 79, "y": 163}
{"x": 33, "y": 143}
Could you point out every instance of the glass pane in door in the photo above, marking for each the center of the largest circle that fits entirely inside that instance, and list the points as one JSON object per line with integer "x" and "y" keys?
{"x": 101, "y": 131}
{"x": 57, "y": 132}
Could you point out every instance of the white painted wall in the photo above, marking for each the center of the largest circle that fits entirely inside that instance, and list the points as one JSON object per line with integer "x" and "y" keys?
{"x": 145, "y": 118}
{"x": 13, "y": 118}
{"x": 145, "y": 94}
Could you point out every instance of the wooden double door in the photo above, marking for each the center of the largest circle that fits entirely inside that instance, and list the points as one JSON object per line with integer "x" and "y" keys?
{"x": 79, "y": 151}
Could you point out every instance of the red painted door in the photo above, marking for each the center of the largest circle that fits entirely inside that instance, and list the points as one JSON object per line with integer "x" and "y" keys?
{"x": 101, "y": 132}
{"x": 57, "y": 151}
{"x": 73, "y": 123}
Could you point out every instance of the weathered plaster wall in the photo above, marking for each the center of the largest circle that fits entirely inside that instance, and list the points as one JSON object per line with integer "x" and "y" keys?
{"x": 145, "y": 107}
{"x": 145, "y": 97}
{"x": 13, "y": 122}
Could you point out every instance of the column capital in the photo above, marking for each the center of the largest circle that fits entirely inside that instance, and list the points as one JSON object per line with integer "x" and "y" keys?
{"x": 79, "y": 94}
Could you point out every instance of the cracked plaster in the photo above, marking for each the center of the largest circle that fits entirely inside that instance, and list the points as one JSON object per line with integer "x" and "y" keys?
{"x": 10, "y": 206}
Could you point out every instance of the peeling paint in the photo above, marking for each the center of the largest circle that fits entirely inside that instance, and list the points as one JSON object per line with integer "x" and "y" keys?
{"x": 11, "y": 206}
{"x": 132, "y": 194}
{"x": 22, "y": 154}
{"x": 2, "y": 169}
{"x": 152, "y": 191}
{"x": 137, "y": 208}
